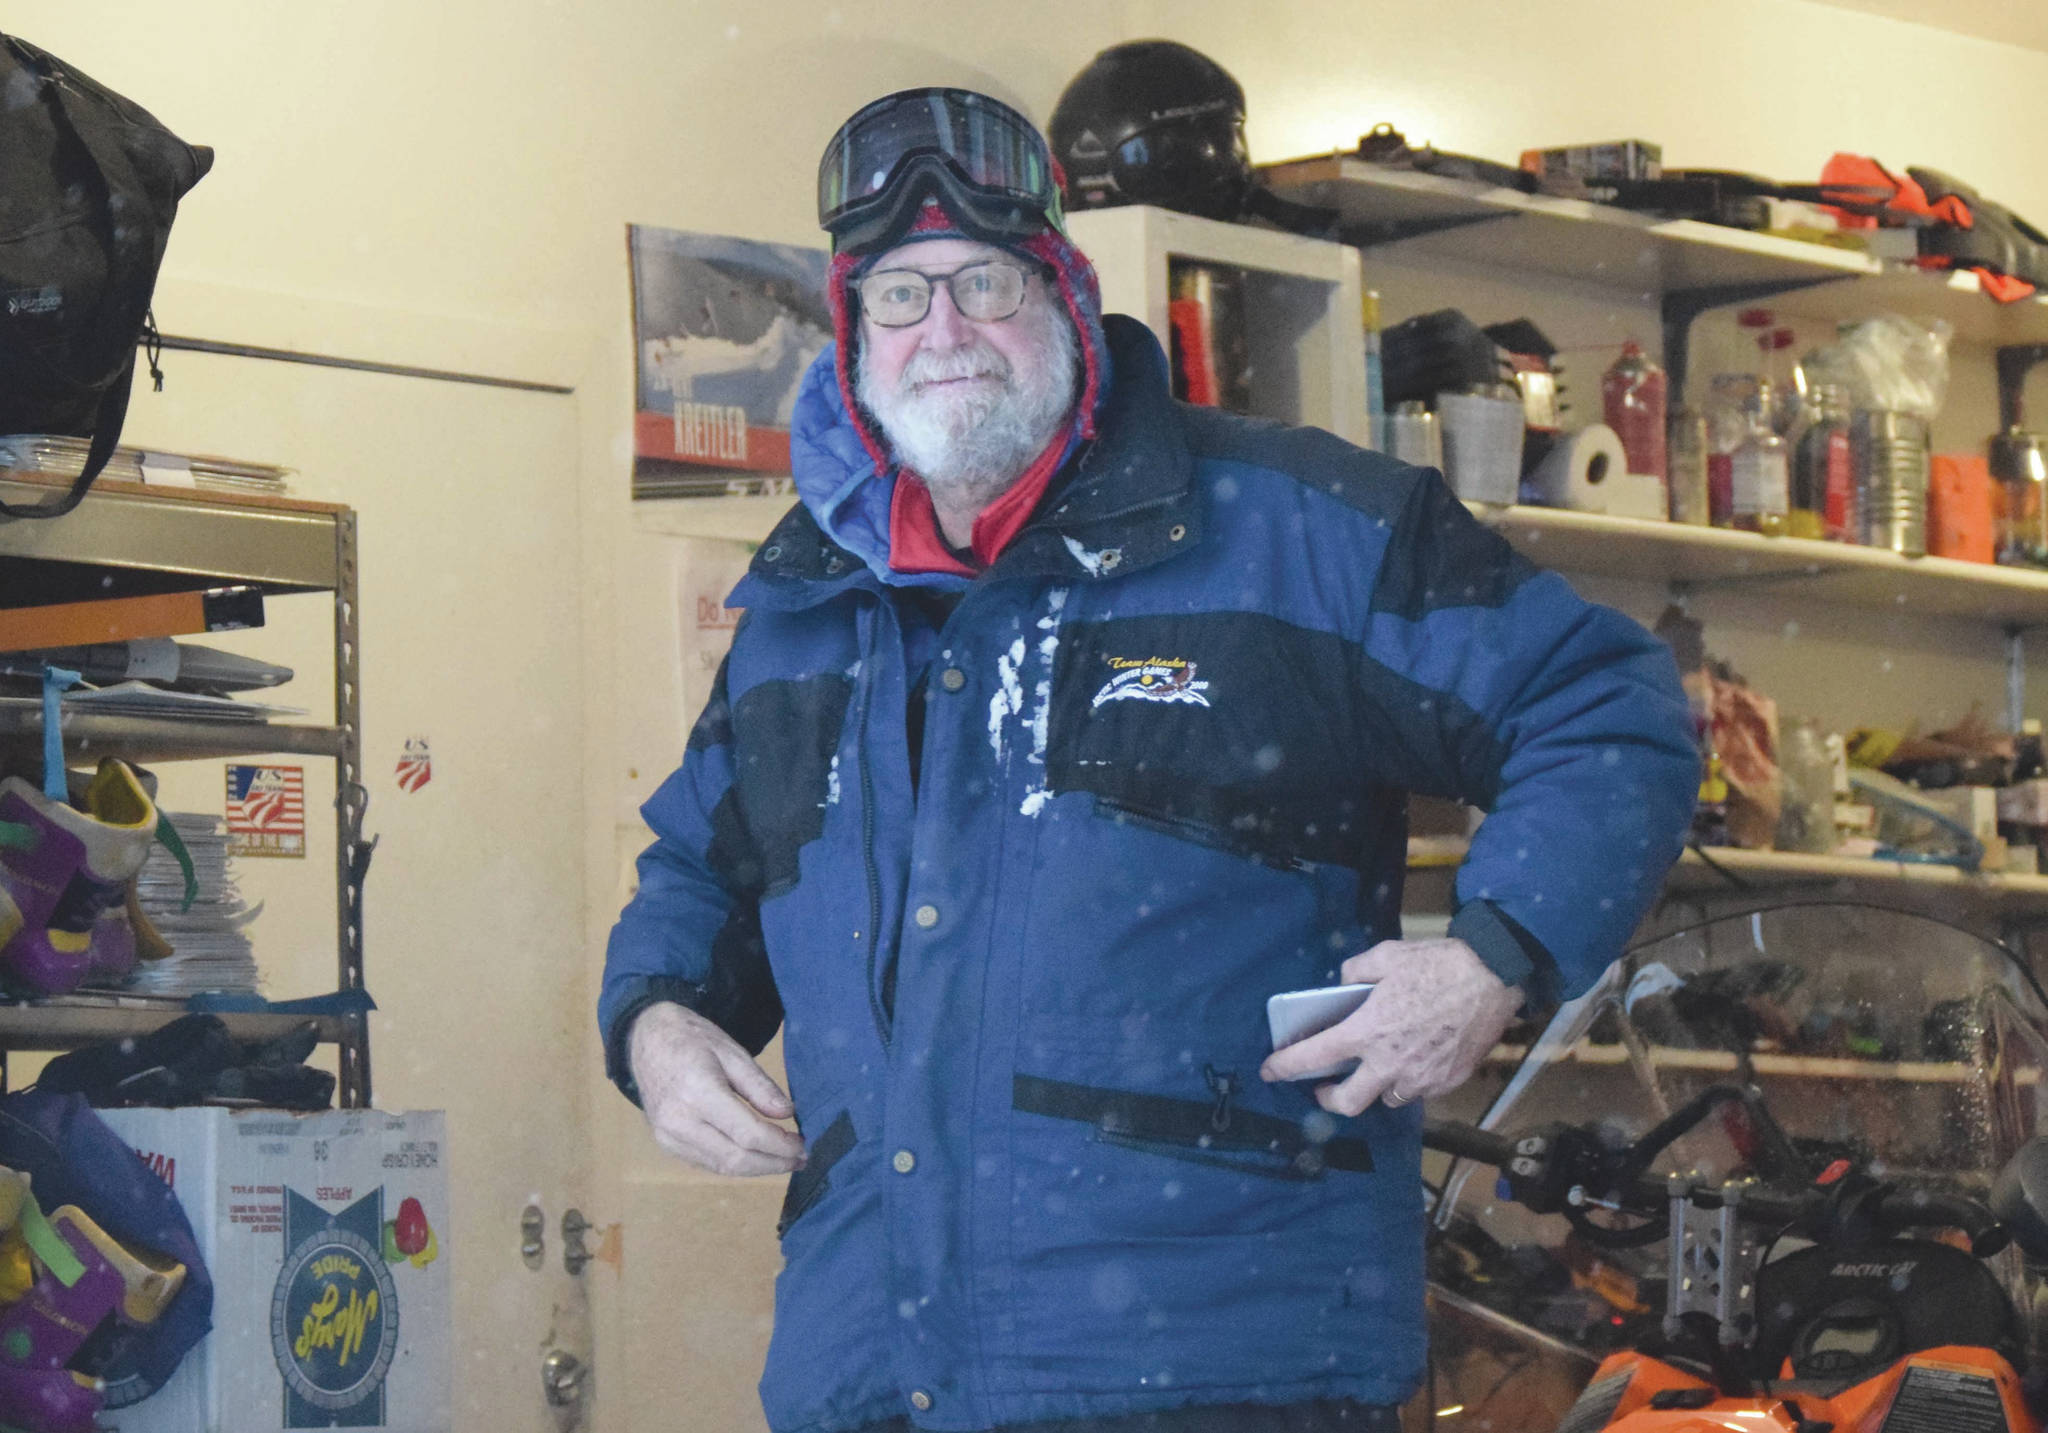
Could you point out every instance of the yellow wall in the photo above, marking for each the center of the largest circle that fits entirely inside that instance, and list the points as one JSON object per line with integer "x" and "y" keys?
{"x": 446, "y": 183}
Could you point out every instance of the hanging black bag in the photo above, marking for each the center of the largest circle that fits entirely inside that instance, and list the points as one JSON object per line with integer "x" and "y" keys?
{"x": 89, "y": 184}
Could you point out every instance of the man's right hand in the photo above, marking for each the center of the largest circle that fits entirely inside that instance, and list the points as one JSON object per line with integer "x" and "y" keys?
{"x": 706, "y": 1100}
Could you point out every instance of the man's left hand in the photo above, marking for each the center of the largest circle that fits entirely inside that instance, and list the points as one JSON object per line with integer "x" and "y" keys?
{"x": 1435, "y": 1013}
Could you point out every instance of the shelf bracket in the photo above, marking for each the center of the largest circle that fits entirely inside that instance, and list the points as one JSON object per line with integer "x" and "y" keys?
{"x": 2015, "y": 677}
{"x": 1681, "y": 306}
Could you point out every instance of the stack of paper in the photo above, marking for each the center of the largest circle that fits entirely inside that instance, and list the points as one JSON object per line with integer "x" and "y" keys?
{"x": 140, "y": 699}
{"x": 65, "y": 458}
{"x": 158, "y": 660}
{"x": 213, "y": 952}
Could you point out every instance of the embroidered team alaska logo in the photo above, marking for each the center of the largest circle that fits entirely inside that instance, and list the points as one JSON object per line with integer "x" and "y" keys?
{"x": 1152, "y": 679}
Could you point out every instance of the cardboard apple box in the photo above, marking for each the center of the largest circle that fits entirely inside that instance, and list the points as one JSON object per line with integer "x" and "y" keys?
{"x": 327, "y": 1241}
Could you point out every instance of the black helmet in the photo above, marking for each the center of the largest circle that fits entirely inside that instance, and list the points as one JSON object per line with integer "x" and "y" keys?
{"x": 1154, "y": 122}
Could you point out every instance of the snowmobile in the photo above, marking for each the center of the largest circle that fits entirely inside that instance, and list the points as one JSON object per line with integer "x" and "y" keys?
{"x": 1812, "y": 1200}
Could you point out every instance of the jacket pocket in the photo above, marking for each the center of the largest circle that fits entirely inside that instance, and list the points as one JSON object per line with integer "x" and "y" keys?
{"x": 1201, "y": 833}
{"x": 1218, "y": 1133}
{"x": 808, "y": 1185}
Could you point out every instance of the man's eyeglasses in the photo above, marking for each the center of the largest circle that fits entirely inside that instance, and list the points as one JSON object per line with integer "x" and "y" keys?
{"x": 985, "y": 291}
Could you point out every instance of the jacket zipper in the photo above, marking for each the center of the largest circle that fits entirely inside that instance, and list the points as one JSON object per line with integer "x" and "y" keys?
{"x": 867, "y": 844}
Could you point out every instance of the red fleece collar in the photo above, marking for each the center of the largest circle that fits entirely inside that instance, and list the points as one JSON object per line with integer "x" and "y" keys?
{"x": 916, "y": 543}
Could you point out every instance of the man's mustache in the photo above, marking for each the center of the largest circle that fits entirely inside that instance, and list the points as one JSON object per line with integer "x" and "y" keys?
{"x": 926, "y": 367}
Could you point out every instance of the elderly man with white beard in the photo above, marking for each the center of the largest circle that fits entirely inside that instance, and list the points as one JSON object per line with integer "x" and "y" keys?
{"x": 1065, "y": 725}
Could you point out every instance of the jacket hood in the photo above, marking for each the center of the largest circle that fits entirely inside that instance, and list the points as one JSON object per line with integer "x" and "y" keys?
{"x": 838, "y": 456}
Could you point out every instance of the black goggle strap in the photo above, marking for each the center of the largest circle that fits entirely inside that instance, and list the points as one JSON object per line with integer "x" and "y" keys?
{"x": 887, "y": 219}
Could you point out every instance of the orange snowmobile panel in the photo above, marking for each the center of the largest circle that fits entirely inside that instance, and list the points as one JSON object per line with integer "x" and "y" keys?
{"x": 1861, "y": 1408}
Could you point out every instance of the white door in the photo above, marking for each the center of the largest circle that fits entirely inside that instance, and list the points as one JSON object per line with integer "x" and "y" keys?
{"x": 684, "y": 1319}
{"x": 473, "y": 914}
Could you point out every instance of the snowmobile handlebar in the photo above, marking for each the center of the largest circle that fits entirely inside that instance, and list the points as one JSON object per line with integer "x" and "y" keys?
{"x": 1562, "y": 1169}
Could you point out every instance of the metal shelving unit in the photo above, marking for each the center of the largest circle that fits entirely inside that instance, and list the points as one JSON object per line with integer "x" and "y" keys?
{"x": 172, "y": 539}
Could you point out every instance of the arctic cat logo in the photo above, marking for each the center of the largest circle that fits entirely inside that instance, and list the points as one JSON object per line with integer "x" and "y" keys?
{"x": 1873, "y": 1271}
{"x": 1152, "y": 679}
{"x": 34, "y": 301}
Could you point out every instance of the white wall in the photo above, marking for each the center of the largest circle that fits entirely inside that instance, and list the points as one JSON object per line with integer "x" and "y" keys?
{"x": 446, "y": 182}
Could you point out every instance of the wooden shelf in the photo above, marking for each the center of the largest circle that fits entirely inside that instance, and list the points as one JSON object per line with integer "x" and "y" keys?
{"x": 1775, "y": 869}
{"x": 1670, "y": 552}
{"x": 1433, "y": 219}
{"x": 1788, "y": 868}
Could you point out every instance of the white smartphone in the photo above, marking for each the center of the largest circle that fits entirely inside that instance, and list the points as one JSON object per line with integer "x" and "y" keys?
{"x": 1294, "y": 1015}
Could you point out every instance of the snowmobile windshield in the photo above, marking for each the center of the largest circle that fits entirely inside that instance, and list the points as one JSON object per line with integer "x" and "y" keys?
{"x": 1871, "y": 1040}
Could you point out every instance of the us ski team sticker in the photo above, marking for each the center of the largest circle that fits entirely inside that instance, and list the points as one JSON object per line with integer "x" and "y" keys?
{"x": 1152, "y": 679}
{"x": 334, "y": 1314}
{"x": 416, "y": 765}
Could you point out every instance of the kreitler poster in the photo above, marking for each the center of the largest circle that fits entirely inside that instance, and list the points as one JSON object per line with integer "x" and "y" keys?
{"x": 723, "y": 330}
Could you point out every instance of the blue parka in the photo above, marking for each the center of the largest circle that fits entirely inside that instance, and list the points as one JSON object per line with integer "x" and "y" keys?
{"x": 1166, "y": 741}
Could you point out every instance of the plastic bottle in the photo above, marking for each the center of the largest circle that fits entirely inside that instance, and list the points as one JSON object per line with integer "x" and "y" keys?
{"x": 1760, "y": 478}
{"x": 1755, "y": 325}
{"x": 1376, "y": 436}
{"x": 1806, "y": 820}
{"x": 1686, "y": 460}
{"x": 1729, "y": 398}
{"x": 1778, "y": 371}
{"x": 1633, "y": 397}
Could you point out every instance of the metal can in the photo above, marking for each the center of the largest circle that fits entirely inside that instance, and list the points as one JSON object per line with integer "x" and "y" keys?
{"x": 1891, "y": 456}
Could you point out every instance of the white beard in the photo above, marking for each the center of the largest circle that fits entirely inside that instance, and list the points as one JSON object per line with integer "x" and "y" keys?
{"x": 971, "y": 445}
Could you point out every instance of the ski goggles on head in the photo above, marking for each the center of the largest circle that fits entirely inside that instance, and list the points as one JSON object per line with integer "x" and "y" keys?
{"x": 984, "y": 162}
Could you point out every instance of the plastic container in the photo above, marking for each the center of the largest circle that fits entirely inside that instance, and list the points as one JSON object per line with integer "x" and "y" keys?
{"x": 1960, "y": 521}
{"x": 1482, "y": 443}
{"x": 1633, "y": 398}
{"x": 1414, "y": 437}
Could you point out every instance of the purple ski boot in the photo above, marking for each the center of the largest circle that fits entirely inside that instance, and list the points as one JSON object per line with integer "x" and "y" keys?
{"x": 80, "y": 1276}
{"x": 70, "y": 876}
{"x": 43, "y": 1400}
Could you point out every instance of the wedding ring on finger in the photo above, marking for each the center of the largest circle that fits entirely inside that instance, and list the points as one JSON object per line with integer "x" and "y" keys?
{"x": 1394, "y": 1099}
